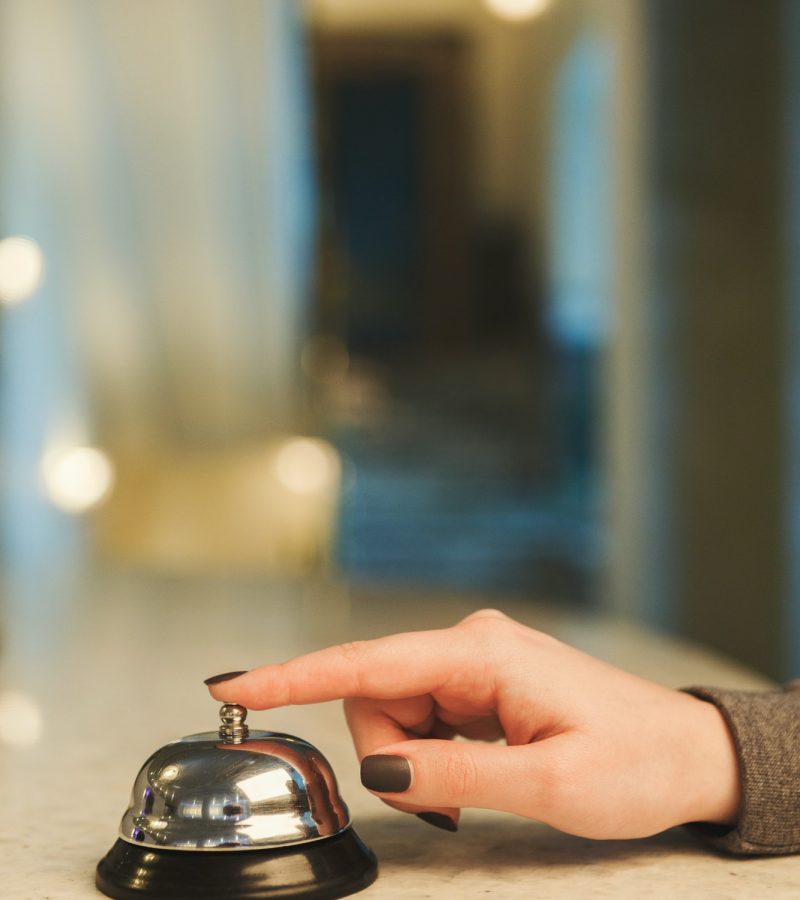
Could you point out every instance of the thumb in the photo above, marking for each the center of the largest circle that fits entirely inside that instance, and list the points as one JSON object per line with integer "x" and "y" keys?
{"x": 430, "y": 773}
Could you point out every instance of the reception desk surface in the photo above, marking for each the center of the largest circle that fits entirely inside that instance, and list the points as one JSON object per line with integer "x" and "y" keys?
{"x": 97, "y": 672}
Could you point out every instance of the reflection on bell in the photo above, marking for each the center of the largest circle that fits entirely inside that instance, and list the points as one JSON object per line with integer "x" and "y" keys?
{"x": 236, "y": 814}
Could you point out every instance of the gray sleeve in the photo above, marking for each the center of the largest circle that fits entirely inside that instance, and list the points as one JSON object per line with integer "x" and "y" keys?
{"x": 766, "y": 731}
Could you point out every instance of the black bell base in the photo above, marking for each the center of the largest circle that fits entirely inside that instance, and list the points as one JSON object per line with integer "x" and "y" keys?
{"x": 322, "y": 870}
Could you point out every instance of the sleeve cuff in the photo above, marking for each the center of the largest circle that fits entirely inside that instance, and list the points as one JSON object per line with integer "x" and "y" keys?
{"x": 766, "y": 731}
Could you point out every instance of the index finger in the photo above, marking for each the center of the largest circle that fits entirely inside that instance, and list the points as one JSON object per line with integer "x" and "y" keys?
{"x": 387, "y": 668}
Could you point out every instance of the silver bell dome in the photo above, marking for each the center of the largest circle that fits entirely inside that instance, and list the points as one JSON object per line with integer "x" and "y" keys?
{"x": 265, "y": 805}
{"x": 234, "y": 790}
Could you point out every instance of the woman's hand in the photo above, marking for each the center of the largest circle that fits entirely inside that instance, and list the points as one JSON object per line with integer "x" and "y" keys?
{"x": 589, "y": 749}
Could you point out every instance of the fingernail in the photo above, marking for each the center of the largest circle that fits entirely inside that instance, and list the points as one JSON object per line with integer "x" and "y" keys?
{"x": 385, "y": 773}
{"x": 439, "y": 820}
{"x": 225, "y": 676}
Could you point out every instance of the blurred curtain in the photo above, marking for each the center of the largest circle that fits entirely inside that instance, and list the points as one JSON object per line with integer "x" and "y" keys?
{"x": 159, "y": 154}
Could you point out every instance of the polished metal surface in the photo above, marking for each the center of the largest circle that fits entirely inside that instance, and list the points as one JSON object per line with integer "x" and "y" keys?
{"x": 224, "y": 791}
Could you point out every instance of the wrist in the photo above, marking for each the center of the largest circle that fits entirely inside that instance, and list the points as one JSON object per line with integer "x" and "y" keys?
{"x": 715, "y": 791}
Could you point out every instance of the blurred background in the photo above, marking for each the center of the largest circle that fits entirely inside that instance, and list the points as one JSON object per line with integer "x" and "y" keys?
{"x": 486, "y": 296}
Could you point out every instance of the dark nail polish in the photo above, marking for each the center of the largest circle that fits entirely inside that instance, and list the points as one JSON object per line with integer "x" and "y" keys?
{"x": 439, "y": 820}
{"x": 225, "y": 676}
{"x": 385, "y": 773}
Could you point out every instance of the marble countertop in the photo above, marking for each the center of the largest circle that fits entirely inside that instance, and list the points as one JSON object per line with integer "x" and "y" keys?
{"x": 114, "y": 663}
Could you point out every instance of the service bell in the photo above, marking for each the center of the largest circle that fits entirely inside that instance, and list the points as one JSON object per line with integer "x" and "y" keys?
{"x": 236, "y": 814}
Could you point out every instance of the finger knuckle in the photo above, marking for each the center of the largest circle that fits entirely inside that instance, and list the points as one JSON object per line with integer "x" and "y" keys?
{"x": 491, "y": 622}
{"x": 460, "y": 776}
{"x": 490, "y": 631}
{"x": 352, "y": 651}
{"x": 353, "y": 654}
{"x": 286, "y": 679}
{"x": 484, "y": 615}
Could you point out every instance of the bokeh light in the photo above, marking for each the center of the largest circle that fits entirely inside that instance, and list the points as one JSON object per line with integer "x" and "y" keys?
{"x": 20, "y": 719}
{"x": 77, "y": 479}
{"x": 21, "y": 268}
{"x": 307, "y": 465}
{"x": 517, "y": 10}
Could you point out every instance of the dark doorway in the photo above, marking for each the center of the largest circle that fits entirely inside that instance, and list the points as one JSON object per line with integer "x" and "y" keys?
{"x": 394, "y": 278}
